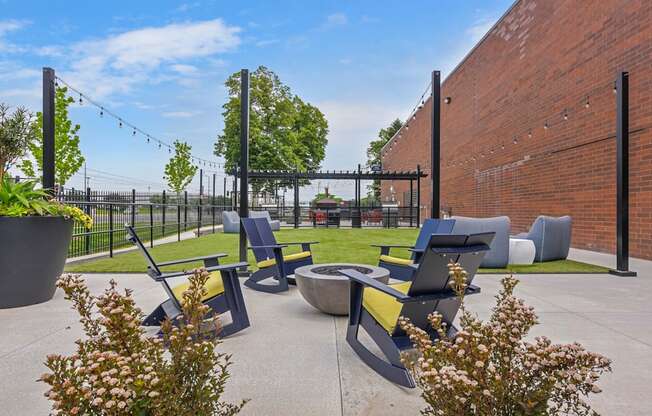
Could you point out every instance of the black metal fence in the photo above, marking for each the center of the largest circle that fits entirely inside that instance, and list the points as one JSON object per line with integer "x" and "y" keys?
{"x": 153, "y": 215}
{"x": 158, "y": 215}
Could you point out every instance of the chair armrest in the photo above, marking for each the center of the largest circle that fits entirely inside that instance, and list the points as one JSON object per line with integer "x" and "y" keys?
{"x": 208, "y": 269}
{"x": 299, "y": 243}
{"x": 360, "y": 278}
{"x": 470, "y": 290}
{"x": 269, "y": 246}
{"x": 385, "y": 248}
{"x": 190, "y": 260}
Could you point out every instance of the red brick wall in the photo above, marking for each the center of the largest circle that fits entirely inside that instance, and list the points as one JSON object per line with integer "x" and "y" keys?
{"x": 544, "y": 59}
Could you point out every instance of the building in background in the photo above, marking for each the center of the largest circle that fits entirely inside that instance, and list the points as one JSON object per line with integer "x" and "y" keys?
{"x": 529, "y": 121}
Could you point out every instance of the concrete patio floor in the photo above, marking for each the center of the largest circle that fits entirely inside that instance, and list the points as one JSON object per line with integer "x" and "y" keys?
{"x": 294, "y": 360}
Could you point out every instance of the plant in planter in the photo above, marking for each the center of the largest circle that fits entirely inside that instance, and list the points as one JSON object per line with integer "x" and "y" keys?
{"x": 36, "y": 233}
{"x": 118, "y": 370}
{"x": 488, "y": 368}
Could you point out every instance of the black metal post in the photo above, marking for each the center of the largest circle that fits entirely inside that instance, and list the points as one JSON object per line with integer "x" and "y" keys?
{"x": 244, "y": 158}
{"x": 224, "y": 194}
{"x": 48, "y": 128}
{"x": 164, "y": 201}
{"x": 296, "y": 202}
{"x": 185, "y": 210}
{"x": 411, "y": 201}
{"x": 133, "y": 207}
{"x": 435, "y": 143}
{"x": 178, "y": 220}
{"x": 213, "y": 203}
{"x": 87, "y": 236}
{"x": 418, "y": 196}
{"x": 151, "y": 225}
{"x": 622, "y": 177}
{"x": 111, "y": 230}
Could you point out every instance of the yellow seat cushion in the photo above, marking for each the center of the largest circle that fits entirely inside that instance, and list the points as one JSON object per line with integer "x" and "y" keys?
{"x": 396, "y": 260}
{"x": 383, "y": 307}
{"x": 214, "y": 286}
{"x": 288, "y": 258}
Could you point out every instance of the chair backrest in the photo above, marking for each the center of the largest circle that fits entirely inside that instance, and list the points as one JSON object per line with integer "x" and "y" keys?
{"x": 432, "y": 226}
{"x": 151, "y": 264}
{"x": 551, "y": 237}
{"x": 231, "y": 216}
{"x": 498, "y": 255}
{"x": 260, "y": 214}
{"x": 256, "y": 230}
{"x": 432, "y": 276}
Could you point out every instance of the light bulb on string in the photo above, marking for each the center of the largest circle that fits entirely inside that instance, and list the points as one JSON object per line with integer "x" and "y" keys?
{"x": 120, "y": 123}
{"x": 101, "y": 112}
{"x": 565, "y": 115}
{"x": 529, "y": 134}
{"x": 587, "y": 104}
{"x": 159, "y": 145}
{"x": 545, "y": 126}
{"x": 81, "y": 100}
{"x": 147, "y": 139}
{"x": 134, "y": 132}
{"x": 515, "y": 140}
{"x": 502, "y": 146}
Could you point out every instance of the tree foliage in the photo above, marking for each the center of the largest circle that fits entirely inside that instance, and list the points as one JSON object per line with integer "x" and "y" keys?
{"x": 373, "y": 152}
{"x": 67, "y": 156}
{"x": 285, "y": 133}
{"x": 179, "y": 171}
{"x": 15, "y": 133}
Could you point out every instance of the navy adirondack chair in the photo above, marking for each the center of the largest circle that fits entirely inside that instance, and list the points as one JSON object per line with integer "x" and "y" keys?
{"x": 223, "y": 289}
{"x": 376, "y": 307}
{"x": 270, "y": 259}
{"x": 403, "y": 269}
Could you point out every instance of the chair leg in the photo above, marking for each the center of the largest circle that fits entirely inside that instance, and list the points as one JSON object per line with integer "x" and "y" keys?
{"x": 253, "y": 282}
{"x": 391, "y": 369}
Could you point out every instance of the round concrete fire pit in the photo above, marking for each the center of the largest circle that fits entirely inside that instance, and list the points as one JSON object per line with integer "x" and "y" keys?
{"x": 325, "y": 288}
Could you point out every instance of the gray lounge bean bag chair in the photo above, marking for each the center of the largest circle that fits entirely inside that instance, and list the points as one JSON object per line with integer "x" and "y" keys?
{"x": 551, "y": 237}
{"x": 231, "y": 222}
{"x": 498, "y": 254}
{"x": 275, "y": 224}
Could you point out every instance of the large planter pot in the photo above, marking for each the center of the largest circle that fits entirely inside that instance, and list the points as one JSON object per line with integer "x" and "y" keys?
{"x": 33, "y": 252}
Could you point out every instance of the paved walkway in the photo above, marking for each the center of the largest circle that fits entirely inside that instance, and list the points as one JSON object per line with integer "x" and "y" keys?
{"x": 294, "y": 360}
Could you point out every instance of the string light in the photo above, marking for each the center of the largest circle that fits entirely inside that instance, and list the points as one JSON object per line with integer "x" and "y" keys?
{"x": 515, "y": 140}
{"x": 121, "y": 122}
{"x": 529, "y": 134}
{"x": 545, "y": 126}
{"x": 565, "y": 114}
{"x": 587, "y": 105}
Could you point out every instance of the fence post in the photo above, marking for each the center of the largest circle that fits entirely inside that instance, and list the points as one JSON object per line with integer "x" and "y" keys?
{"x": 199, "y": 218}
{"x": 133, "y": 207}
{"x": 87, "y": 239}
{"x": 185, "y": 210}
{"x": 151, "y": 225}
{"x": 110, "y": 230}
{"x": 178, "y": 221}
{"x": 164, "y": 199}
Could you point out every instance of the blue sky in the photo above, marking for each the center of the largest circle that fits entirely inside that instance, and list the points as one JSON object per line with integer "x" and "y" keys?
{"x": 161, "y": 65}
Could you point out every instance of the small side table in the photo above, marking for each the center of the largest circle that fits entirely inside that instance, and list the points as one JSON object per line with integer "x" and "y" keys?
{"x": 521, "y": 251}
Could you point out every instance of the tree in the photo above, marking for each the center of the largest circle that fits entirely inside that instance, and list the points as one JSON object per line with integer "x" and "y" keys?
{"x": 15, "y": 134}
{"x": 67, "y": 156}
{"x": 179, "y": 171}
{"x": 285, "y": 133}
{"x": 373, "y": 153}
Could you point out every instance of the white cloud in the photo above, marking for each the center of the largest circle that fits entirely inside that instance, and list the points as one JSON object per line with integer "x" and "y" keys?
{"x": 352, "y": 125}
{"x": 480, "y": 28}
{"x": 117, "y": 62}
{"x": 18, "y": 73}
{"x": 266, "y": 42}
{"x": 10, "y": 25}
{"x": 181, "y": 114}
{"x": 335, "y": 19}
{"x": 187, "y": 6}
{"x": 184, "y": 69}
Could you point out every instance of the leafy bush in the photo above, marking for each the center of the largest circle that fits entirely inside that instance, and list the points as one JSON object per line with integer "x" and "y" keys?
{"x": 118, "y": 370}
{"x": 23, "y": 199}
{"x": 487, "y": 368}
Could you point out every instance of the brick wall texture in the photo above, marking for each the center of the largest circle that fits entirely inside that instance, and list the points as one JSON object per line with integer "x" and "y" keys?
{"x": 530, "y": 128}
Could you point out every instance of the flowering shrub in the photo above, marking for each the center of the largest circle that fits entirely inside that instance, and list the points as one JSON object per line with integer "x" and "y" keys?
{"x": 118, "y": 370}
{"x": 487, "y": 368}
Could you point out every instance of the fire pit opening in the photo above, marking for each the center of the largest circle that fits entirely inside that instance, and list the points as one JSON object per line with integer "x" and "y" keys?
{"x": 334, "y": 269}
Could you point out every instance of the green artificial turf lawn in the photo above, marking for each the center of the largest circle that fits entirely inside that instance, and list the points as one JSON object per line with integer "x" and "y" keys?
{"x": 336, "y": 245}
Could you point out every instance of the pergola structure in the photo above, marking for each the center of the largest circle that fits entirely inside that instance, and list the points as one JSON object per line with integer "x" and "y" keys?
{"x": 356, "y": 175}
